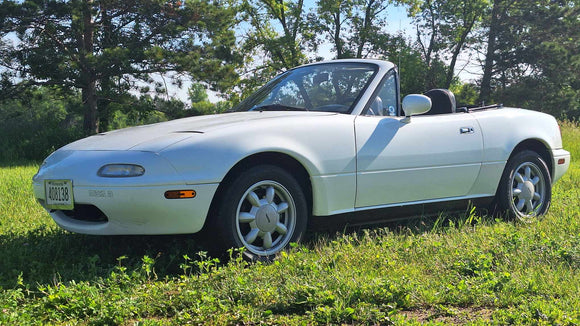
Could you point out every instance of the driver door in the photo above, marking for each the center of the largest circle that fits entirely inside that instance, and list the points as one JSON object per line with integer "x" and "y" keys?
{"x": 432, "y": 157}
{"x": 426, "y": 159}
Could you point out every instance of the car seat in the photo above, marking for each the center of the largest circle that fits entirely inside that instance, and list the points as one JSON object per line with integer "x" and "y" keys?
{"x": 443, "y": 101}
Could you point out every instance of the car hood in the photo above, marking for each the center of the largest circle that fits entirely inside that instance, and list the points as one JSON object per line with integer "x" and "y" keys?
{"x": 156, "y": 137}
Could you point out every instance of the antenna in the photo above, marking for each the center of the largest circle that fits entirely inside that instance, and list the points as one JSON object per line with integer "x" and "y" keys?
{"x": 400, "y": 28}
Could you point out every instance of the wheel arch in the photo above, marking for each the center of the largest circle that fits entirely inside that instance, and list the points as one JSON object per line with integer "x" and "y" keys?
{"x": 282, "y": 160}
{"x": 504, "y": 198}
{"x": 537, "y": 146}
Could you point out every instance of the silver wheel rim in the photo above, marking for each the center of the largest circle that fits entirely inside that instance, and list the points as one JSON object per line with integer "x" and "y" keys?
{"x": 266, "y": 218}
{"x": 528, "y": 190}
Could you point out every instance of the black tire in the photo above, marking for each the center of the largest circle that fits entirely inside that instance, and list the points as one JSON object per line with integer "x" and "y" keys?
{"x": 266, "y": 223}
{"x": 525, "y": 189}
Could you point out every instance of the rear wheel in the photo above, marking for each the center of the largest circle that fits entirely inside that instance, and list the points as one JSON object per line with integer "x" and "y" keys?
{"x": 525, "y": 190}
{"x": 263, "y": 210}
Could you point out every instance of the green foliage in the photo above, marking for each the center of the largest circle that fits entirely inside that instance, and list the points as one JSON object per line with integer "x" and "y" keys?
{"x": 444, "y": 31}
{"x": 48, "y": 118}
{"x": 279, "y": 32}
{"x": 278, "y": 39}
{"x": 534, "y": 54}
{"x": 200, "y": 103}
{"x": 32, "y": 128}
{"x": 414, "y": 73}
{"x": 108, "y": 51}
{"x": 463, "y": 269}
{"x": 102, "y": 47}
{"x": 465, "y": 94}
{"x": 356, "y": 29}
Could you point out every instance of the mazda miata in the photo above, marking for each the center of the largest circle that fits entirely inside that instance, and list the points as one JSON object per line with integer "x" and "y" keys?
{"x": 322, "y": 139}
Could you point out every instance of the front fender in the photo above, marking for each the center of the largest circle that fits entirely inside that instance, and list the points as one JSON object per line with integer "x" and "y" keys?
{"x": 324, "y": 145}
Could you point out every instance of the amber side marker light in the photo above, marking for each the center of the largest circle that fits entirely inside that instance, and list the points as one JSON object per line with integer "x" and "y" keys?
{"x": 561, "y": 161}
{"x": 179, "y": 194}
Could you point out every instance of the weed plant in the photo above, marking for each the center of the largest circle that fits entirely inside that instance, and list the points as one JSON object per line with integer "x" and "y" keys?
{"x": 461, "y": 269}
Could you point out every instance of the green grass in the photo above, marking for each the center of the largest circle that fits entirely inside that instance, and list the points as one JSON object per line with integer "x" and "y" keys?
{"x": 448, "y": 270}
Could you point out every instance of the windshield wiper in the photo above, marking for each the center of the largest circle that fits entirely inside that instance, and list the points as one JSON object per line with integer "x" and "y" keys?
{"x": 277, "y": 107}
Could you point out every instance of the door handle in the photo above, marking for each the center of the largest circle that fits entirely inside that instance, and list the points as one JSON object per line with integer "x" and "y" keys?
{"x": 466, "y": 130}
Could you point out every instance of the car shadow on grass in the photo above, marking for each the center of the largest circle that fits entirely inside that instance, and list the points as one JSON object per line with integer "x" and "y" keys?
{"x": 53, "y": 256}
{"x": 333, "y": 227}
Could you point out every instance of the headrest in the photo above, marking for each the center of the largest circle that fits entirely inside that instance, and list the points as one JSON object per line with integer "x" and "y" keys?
{"x": 443, "y": 101}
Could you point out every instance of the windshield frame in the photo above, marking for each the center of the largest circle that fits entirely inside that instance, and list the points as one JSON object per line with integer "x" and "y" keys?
{"x": 257, "y": 97}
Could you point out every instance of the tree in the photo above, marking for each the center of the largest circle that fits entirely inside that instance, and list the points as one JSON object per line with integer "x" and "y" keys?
{"x": 447, "y": 25}
{"x": 277, "y": 39}
{"x": 279, "y": 30}
{"x": 200, "y": 103}
{"x": 533, "y": 56}
{"x": 356, "y": 28}
{"x": 493, "y": 29}
{"x": 367, "y": 22}
{"x": 104, "y": 47}
{"x": 412, "y": 68}
{"x": 333, "y": 19}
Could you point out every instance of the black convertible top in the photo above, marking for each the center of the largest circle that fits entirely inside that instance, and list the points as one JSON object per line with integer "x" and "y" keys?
{"x": 473, "y": 108}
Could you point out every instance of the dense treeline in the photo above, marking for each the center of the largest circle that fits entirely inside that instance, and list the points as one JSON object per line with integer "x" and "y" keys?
{"x": 74, "y": 68}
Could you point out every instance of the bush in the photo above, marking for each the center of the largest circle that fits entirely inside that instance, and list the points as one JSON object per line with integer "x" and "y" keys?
{"x": 34, "y": 126}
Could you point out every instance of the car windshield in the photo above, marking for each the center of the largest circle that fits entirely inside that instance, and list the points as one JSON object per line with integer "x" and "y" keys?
{"x": 328, "y": 87}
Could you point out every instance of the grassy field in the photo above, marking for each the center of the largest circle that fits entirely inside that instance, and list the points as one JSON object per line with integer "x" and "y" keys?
{"x": 447, "y": 270}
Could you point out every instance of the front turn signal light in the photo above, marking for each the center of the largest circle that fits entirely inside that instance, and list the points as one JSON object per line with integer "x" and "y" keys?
{"x": 180, "y": 194}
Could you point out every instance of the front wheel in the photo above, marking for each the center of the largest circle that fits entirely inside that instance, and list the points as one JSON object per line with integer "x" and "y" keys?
{"x": 525, "y": 189}
{"x": 263, "y": 210}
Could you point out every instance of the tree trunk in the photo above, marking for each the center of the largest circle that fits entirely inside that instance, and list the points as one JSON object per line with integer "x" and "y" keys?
{"x": 457, "y": 51}
{"x": 89, "y": 87}
{"x": 428, "y": 50}
{"x": 337, "y": 39}
{"x": 91, "y": 118}
{"x": 365, "y": 29}
{"x": 485, "y": 90}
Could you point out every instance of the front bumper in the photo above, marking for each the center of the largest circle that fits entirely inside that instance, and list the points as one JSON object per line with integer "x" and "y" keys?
{"x": 560, "y": 168}
{"x": 136, "y": 210}
{"x": 134, "y": 205}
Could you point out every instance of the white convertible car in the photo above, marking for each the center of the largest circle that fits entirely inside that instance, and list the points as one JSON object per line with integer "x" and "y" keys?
{"x": 321, "y": 139}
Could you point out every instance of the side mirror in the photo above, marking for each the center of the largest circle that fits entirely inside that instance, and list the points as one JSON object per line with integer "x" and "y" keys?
{"x": 415, "y": 104}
